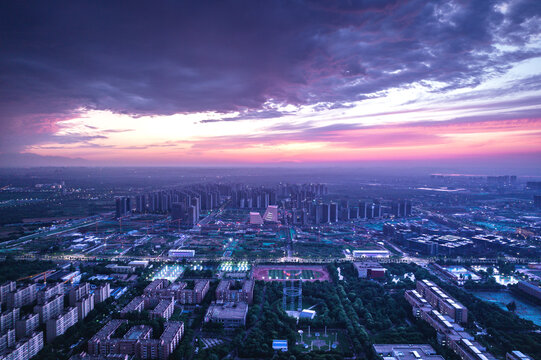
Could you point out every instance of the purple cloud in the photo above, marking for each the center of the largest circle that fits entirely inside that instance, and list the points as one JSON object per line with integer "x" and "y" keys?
{"x": 181, "y": 57}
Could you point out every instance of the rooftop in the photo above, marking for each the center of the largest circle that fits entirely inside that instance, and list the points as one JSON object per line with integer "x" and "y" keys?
{"x": 228, "y": 311}
{"x": 407, "y": 352}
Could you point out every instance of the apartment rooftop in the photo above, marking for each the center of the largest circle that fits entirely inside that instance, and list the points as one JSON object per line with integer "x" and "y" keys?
{"x": 109, "y": 329}
{"x": 171, "y": 329}
{"x": 477, "y": 350}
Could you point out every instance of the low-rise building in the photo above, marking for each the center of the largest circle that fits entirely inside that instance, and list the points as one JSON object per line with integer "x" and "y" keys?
{"x": 530, "y": 289}
{"x": 138, "y": 263}
{"x": 124, "y": 269}
{"x": 231, "y": 315}
{"x": 99, "y": 343}
{"x": 163, "y": 309}
{"x": 517, "y": 355}
{"x": 137, "y": 304}
{"x": 279, "y": 345}
{"x": 431, "y": 304}
{"x": 369, "y": 270}
{"x": 176, "y": 253}
{"x": 375, "y": 253}
{"x": 156, "y": 285}
{"x": 406, "y": 352}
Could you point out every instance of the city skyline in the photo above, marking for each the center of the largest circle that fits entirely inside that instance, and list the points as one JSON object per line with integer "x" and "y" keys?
{"x": 438, "y": 84}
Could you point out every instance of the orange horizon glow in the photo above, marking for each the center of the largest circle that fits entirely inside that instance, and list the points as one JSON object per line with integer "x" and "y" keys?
{"x": 398, "y": 141}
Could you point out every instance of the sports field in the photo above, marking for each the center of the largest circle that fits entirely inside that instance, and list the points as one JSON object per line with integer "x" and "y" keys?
{"x": 291, "y": 272}
{"x": 318, "y": 340}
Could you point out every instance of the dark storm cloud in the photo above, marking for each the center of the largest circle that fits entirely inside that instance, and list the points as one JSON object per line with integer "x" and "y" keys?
{"x": 156, "y": 58}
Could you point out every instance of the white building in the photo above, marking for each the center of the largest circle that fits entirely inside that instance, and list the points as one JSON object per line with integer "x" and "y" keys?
{"x": 181, "y": 253}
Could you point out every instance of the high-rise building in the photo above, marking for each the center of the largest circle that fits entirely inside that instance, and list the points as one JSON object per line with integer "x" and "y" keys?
{"x": 26, "y": 348}
{"x": 5, "y": 289}
{"x": 8, "y": 319}
{"x": 85, "y": 305}
{"x": 49, "y": 291}
{"x": 365, "y": 209}
{"x": 271, "y": 214}
{"x": 255, "y": 218}
{"x": 196, "y": 203}
{"x": 537, "y": 201}
{"x": 50, "y": 309}
{"x": 103, "y": 292}
{"x": 61, "y": 323}
{"x": 326, "y": 213}
{"x": 24, "y": 295}
{"x": 123, "y": 206}
{"x": 333, "y": 212}
{"x": 140, "y": 204}
{"x": 77, "y": 292}
{"x": 26, "y": 325}
{"x": 353, "y": 213}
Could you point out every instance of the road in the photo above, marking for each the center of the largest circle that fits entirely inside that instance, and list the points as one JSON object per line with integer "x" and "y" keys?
{"x": 62, "y": 229}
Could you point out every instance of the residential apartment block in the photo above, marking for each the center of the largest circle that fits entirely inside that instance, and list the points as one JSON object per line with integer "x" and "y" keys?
{"x": 26, "y": 325}
{"x": 438, "y": 309}
{"x": 442, "y": 301}
{"x": 50, "y": 309}
{"x": 77, "y": 292}
{"x": 85, "y": 305}
{"x": 103, "y": 292}
{"x": 8, "y": 319}
{"x": 179, "y": 291}
{"x": 59, "y": 324}
{"x": 50, "y": 291}
{"x": 235, "y": 291}
{"x": 158, "y": 307}
{"x": 137, "y": 341}
{"x": 21, "y": 296}
{"x": 5, "y": 289}
{"x": 25, "y": 348}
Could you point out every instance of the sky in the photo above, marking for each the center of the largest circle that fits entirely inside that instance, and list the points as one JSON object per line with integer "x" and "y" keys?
{"x": 225, "y": 83}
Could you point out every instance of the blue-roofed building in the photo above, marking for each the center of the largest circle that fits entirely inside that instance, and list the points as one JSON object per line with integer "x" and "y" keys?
{"x": 279, "y": 345}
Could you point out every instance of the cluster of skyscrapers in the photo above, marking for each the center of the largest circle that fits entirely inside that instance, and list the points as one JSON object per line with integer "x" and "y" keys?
{"x": 303, "y": 203}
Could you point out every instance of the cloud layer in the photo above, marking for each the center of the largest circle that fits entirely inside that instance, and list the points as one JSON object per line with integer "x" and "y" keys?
{"x": 248, "y": 60}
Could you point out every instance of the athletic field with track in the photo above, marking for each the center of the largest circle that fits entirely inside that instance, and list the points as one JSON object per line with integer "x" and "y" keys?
{"x": 291, "y": 272}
